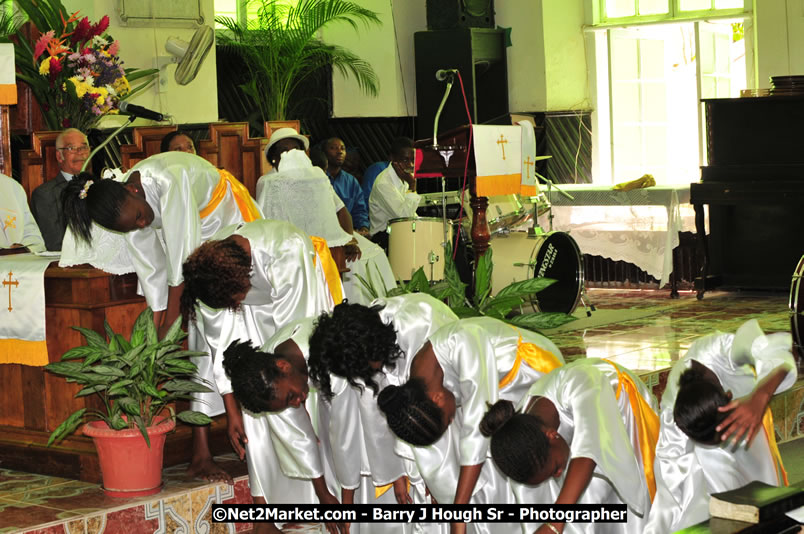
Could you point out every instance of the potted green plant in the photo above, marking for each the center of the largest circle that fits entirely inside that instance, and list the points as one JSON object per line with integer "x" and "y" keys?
{"x": 281, "y": 49}
{"x": 137, "y": 381}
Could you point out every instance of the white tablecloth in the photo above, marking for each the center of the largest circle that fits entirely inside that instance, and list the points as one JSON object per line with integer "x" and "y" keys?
{"x": 639, "y": 226}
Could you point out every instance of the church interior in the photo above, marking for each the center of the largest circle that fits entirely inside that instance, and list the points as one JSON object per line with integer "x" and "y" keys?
{"x": 654, "y": 171}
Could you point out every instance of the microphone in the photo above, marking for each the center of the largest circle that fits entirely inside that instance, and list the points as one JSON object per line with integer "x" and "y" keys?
{"x": 443, "y": 74}
{"x": 139, "y": 111}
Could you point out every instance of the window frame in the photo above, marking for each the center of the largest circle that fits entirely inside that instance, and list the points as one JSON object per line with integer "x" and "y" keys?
{"x": 674, "y": 14}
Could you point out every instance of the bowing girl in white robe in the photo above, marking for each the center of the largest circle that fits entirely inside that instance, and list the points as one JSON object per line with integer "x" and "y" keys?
{"x": 169, "y": 204}
{"x": 356, "y": 351}
{"x": 463, "y": 367}
{"x": 18, "y": 225}
{"x": 286, "y": 422}
{"x": 734, "y": 375}
{"x": 585, "y": 435}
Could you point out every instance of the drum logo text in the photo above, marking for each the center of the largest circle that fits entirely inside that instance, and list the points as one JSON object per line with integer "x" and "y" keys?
{"x": 549, "y": 259}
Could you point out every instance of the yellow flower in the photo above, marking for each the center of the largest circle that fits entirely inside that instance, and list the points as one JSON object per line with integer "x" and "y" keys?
{"x": 80, "y": 87}
{"x": 101, "y": 99}
{"x": 121, "y": 86}
{"x": 44, "y": 67}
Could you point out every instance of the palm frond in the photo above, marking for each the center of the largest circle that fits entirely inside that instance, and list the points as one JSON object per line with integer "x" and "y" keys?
{"x": 282, "y": 50}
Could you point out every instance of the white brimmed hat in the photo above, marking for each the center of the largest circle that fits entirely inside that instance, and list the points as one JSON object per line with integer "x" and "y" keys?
{"x": 285, "y": 133}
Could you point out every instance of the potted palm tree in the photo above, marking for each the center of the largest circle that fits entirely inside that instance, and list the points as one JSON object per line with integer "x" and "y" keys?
{"x": 137, "y": 381}
{"x": 282, "y": 50}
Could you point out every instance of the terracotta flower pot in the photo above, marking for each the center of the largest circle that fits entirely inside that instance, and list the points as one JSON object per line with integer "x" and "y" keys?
{"x": 128, "y": 466}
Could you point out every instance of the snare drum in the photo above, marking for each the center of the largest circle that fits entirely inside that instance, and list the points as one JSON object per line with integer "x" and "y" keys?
{"x": 555, "y": 255}
{"x": 506, "y": 213}
{"x": 417, "y": 242}
{"x": 796, "y": 305}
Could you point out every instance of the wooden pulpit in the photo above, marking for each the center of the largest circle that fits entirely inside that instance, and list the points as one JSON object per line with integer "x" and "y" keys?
{"x": 449, "y": 159}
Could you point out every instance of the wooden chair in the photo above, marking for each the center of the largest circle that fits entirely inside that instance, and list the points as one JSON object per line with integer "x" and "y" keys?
{"x": 230, "y": 147}
{"x": 146, "y": 143}
{"x": 38, "y": 165}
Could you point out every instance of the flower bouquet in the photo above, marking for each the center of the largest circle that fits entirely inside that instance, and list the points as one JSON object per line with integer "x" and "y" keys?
{"x": 73, "y": 67}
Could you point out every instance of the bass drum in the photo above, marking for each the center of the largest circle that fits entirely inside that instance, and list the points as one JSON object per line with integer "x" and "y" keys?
{"x": 417, "y": 242}
{"x": 555, "y": 255}
{"x": 796, "y": 305}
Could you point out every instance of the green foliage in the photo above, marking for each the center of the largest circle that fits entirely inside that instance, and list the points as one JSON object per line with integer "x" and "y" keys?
{"x": 502, "y": 306}
{"x": 282, "y": 49}
{"x": 137, "y": 378}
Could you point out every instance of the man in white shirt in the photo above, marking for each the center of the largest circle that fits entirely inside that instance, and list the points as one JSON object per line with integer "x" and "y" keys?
{"x": 394, "y": 193}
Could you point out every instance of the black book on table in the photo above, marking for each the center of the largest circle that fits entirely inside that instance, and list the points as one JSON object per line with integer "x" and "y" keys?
{"x": 755, "y": 502}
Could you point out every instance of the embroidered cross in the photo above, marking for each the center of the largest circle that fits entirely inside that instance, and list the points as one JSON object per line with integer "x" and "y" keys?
{"x": 527, "y": 164}
{"x": 11, "y": 222}
{"x": 502, "y": 141}
{"x": 10, "y": 283}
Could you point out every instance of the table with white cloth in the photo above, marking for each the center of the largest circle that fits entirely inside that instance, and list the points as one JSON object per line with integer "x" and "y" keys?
{"x": 640, "y": 226}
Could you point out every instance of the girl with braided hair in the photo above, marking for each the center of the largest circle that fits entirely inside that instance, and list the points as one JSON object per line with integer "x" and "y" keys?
{"x": 436, "y": 413}
{"x": 287, "y": 450}
{"x": 717, "y": 432}
{"x": 355, "y": 352}
{"x": 169, "y": 204}
{"x": 585, "y": 434}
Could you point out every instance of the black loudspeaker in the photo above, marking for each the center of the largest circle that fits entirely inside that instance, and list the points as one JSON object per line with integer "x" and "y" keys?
{"x": 450, "y": 14}
{"x": 479, "y": 55}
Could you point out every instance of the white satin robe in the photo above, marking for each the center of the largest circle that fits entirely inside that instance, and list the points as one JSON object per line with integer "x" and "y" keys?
{"x": 687, "y": 473}
{"x": 17, "y": 224}
{"x": 475, "y": 354}
{"x": 287, "y": 283}
{"x": 597, "y": 425}
{"x": 287, "y": 449}
{"x": 177, "y": 187}
{"x": 363, "y": 446}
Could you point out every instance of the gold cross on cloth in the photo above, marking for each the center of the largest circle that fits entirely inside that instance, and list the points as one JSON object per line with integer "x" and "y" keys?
{"x": 502, "y": 141}
{"x": 10, "y": 283}
{"x": 528, "y": 164}
{"x": 10, "y": 222}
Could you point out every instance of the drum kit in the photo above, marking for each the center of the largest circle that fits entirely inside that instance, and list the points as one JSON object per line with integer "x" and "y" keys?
{"x": 796, "y": 306}
{"x": 521, "y": 249}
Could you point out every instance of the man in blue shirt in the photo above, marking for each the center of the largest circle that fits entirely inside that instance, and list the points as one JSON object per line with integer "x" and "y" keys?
{"x": 370, "y": 175}
{"x": 346, "y": 185}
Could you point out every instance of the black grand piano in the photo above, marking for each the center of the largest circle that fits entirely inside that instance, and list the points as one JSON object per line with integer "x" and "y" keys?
{"x": 754, "y": 186}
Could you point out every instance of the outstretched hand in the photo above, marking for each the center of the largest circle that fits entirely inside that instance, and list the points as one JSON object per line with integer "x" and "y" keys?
{"x": 745, "y": 418}
{"x": 236, "y": 433}
{"x": 401, "y": 490}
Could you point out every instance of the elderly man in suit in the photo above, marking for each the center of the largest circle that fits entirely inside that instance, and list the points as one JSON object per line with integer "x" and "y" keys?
{"x": 72, "y": 149}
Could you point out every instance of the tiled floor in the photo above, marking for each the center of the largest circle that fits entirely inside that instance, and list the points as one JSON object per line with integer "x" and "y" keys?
{"x": 655, "y": 332}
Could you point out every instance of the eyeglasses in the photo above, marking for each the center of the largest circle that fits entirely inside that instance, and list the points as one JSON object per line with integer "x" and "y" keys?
{"x": 74, "y": 149}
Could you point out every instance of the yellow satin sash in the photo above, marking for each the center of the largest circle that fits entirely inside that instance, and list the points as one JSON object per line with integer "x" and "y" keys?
{"x": 331, "y": 272}
{"x": 536, "y": 357}
{"x": 241, "y": 195}
{"x": 770, "y": 433}
{"x": 380, "y": 490}
{"x": 647, "y": 425}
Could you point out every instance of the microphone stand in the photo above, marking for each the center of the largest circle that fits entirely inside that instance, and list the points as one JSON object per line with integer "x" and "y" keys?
{"x": 106, "y": 141}
{"x": 446, "y": 155}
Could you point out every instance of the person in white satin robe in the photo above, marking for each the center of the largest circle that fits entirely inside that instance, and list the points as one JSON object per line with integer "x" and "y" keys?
{"x": 436, "y": 413}
{"x": 18, "y": 224}
{"x": 737, "y": 374}
{"x": 169, "y": 204}
{"x": 585, "y": 434}
{"x": 300, "y": 193}
{"x": 356, "y": 351}
{"x": 286, "y": 423}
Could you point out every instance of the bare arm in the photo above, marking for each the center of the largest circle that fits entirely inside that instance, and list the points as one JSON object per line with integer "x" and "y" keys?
{"x": 747, "y": 412}
{"x": 579, "y": 473}
{"x": 164, "y": 319}
{"x": 234, "y": 420}
{"x": 466, "y": 485}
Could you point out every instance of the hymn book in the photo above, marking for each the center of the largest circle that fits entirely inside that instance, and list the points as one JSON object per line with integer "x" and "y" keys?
{"x": 755, "y": 502}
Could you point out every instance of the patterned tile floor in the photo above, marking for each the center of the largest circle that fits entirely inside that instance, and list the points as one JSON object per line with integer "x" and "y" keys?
{"x": 657, "y": 330}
